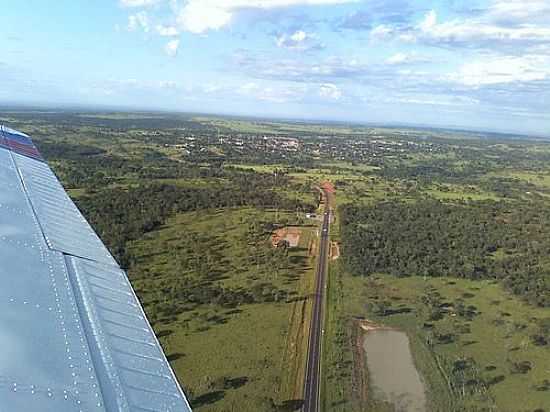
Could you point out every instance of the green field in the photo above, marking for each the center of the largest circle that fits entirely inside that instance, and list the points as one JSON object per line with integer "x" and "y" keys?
{"x": 188, "y": 207}
{"x": 228, "y": 356}
{"x": 497, "y": 340}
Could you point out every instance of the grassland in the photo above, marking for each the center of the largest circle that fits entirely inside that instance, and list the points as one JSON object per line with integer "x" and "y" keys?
{"x": 278, "y": 128}
{"x": 250, "y": 356}
{"x": 243, "y": 358}
{"x": 497, "y": 339}
{"x": 120, "y": 116}
{"x": 494, "y": 342}
{"x": 459, "y": 192}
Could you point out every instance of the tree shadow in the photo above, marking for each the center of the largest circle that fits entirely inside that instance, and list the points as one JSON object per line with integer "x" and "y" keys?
{"x": 495, "y": 380}
{"x": 233, "y": 312}
{"x": 208, "y": 398}
{"x": 174, "y": 356}
{"x": 291, "y": 405}
{"x": 235, "y": 383}
{"x": 397, "y": 311}
{"x": 164, "y": 333}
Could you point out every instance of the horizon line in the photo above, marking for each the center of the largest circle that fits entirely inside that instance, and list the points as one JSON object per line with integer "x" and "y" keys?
{"x": 131, "y": 109}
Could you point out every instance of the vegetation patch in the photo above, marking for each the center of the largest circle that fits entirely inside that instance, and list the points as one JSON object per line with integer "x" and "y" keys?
{"x": 483, "y": 240}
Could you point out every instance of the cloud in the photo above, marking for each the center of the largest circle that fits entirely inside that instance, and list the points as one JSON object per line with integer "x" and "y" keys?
{"x": 298, "y": 70}
{"x": 497, "y": 70}
{"x": 171, "y": 48}
{"x": 201, "y": 16}
{"x": 382, "y": 32}
{"x": 438, "y": 100}
{"x": 405, "y": 58}
{"x": 167, "y": 31}
{"x": 330, "y": 91}
{"x": 429, "y": 22}
{"x": 509, "y": 25}
{"x": 132, "y": 85}
{"x": 331, "y": 70}
{"x": 299, "y": 41}
{"x": 519, "y": 11}
{"x": 168, "y": 84}
{"x": 279, "y": 93}
{"x": 488, "y": 54}
{"x": 396, "y": 12}
{"x": 137, "y": 3}
{"x": 458, "y": 31}
{"x": 138, "y": 21}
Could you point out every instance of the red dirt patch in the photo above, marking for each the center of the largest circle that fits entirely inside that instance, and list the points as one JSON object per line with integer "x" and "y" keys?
{"x": 328, "y": 187}
{"x": 334, "y": 250}
{"x": 330, "y": 191}
{"x": 288, "y": 234}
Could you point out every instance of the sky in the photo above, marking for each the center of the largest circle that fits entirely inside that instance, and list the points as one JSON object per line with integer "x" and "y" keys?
{"x": 478, "y": 64}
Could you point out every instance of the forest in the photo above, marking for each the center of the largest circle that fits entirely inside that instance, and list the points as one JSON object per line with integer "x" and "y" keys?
{"x": 476, "y": 240}
{"x": 121, "y": 215}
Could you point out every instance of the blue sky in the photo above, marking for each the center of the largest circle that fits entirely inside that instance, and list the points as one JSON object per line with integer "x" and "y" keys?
{"x": 466, "y": 63}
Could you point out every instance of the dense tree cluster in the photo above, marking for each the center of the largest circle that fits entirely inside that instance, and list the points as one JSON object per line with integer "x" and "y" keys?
{"x": 480, "y": 240}
{"x": 68, "y": 151}
{"x": 120, "y": 215}
{"x": 441, "y": 170}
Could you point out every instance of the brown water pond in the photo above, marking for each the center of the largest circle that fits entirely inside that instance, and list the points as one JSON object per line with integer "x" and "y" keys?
{"x": 392, "y": 375}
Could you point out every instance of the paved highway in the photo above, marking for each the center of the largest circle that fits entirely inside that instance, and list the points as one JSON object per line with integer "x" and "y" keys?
{"x": 313, "y": 371}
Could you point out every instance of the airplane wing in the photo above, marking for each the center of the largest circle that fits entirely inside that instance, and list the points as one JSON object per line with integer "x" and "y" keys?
{"x": 73, "y": 335}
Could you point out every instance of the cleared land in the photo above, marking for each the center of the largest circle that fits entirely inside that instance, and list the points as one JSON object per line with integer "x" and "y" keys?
{"x": 245, "y": 357}
{"x": 289, "y": 236}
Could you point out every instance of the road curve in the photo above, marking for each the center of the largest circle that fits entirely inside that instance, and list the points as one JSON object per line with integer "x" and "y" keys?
{"x": 313, "y": 369}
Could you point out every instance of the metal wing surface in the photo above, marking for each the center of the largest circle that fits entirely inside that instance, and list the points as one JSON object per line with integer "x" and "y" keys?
{"x": 73, "y": 335}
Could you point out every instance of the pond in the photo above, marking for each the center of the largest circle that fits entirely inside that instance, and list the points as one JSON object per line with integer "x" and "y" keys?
{"x": 392, "y": 375}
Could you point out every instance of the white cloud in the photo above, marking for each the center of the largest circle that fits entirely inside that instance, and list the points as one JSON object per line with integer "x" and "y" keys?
{"x": 212, "y": 88}
{"x": 171, "y": 48}
{"x": 405, "y": 58}
{"x": 132, "y": 85}
{"x": 499, "y": 70}
{"x": 438, "y": 100}
{"x": 298, "y": 41}
{"x": 137, "y": 21}
{"x": 280, "y": 93}
{"x": 429, "y": 22}
{"x": 200, "y": 16}
{"x": 519, "y": 11}
{"x": 168, "y": 84}
{"x": 398, "y": 58}
{"x": 407, "y": 37}
{"x": 167, "y": 31}
{"x": 464, "y": 31}
{"x": 137, "y": 3}
{"x": 329, "y": 70}
{"x": 504, "y": 24}
{"x": 381, "y": 32}
{"x": 249, "y": 87}
{"x": 330, "y": 91}
{"x": 299, "y": 36}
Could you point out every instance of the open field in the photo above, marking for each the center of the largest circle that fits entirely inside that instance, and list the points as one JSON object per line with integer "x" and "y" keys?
{"x": 270, "y": 127}
{"x": 494, "y": 342}
{"x": 189, "y": 208}
{"x": 229, "y": 357}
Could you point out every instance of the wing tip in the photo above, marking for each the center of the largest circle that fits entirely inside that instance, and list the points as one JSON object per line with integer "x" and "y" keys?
{"x": 19, "y": 142}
